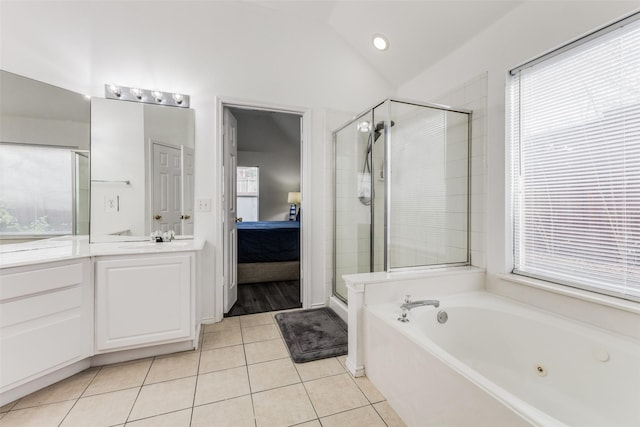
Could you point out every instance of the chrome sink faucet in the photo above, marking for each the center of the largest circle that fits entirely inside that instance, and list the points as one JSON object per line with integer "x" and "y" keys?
{"x": 159, "y": 236}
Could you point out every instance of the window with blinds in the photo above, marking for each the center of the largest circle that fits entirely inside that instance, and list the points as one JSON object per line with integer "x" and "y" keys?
{"x": 575, "y": 130}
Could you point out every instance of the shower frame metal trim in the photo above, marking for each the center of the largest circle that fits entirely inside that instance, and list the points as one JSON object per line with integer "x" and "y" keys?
{"x": 387, "y": 200}
{"x": 404, "y": 101}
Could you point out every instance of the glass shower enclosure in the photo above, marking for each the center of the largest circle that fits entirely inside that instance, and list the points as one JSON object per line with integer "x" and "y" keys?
{"x": 402, "y": 179}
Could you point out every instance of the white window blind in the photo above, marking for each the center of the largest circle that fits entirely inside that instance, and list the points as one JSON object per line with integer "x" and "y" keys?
{"x": 575, "y": 129}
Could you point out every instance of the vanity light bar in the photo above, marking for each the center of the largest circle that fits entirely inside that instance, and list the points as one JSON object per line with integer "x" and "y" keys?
{"x": 135, "y": 94}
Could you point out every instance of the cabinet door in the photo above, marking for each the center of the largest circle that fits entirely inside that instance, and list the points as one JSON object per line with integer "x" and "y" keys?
{"x": 143, "y": 300}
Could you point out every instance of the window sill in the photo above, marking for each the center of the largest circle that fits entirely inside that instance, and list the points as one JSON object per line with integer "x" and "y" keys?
{"x": 593, "y": 297}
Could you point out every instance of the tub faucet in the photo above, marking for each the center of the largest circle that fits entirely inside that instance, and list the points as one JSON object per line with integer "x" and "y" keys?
{"x": 408, "y": 304}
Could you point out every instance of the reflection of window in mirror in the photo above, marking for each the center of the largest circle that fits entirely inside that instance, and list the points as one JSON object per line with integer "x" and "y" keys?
{"x": 44, "y": 160}
{"x": 248, "y": 192}
{"x": 37, "y": 191}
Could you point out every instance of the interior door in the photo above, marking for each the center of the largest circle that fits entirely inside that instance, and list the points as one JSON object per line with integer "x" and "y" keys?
{"x": 167, "y": 188}
{"x": 187, "y": 170}
{"x": 230, "y": 151}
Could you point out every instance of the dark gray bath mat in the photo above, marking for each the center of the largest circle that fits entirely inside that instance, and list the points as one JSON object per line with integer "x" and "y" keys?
{"x": 313, "y": 334}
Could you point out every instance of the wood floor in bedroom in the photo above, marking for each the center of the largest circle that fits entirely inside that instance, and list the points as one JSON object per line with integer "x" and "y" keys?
{"x": 268, "y": 296}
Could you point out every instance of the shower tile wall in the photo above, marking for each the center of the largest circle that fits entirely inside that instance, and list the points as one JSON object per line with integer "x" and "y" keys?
{"x": 378, "y": 205}
{"x": 473, "y": 96}
{"x": 457, "y": 188}
{"x": 353, "y": 219}
{"x": 429, "y": 186}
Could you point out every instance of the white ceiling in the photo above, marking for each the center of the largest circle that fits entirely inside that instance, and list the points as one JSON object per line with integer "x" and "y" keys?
{"x": 420, "y": 32}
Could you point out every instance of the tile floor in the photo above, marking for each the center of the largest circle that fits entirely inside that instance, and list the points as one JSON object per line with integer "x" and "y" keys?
{"x": 242, "y": 375}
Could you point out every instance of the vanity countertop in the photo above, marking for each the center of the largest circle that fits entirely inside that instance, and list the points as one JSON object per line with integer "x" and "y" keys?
{"x": 50, "y": 250}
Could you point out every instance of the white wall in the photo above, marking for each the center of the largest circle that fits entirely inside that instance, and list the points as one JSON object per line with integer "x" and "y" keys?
{"x": 117, "y": 154}
{"x": 279, "y": 174}
{"x": 121, "y": 138}
{"x": 528, "y": 31}
{"x": 277, "y": 156}
{"x": 233, "y": 50}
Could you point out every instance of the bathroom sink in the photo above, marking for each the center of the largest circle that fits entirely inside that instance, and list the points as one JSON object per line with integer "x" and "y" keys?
{"x": 162, "y": 245}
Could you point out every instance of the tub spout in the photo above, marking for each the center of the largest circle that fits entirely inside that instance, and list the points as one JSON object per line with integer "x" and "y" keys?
{"x": 412, "y": 304}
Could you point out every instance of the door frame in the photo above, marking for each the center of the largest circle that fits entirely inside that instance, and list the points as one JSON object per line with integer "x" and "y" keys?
{"x": 305, "y": 187}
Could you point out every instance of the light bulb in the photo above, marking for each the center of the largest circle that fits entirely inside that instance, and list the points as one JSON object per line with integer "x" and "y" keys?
{"x": 178, "y": 97}
{"x": 157, "y": 95}
{"x": 115, "y": 90}
{"x": 136, "y": 92}
{"x": 380, "y": 42}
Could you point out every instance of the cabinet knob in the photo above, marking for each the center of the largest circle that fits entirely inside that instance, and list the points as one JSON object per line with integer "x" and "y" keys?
{"x": 239, "y": 219}
{"x": 157, "y": 217}
{"x": 185, "y": 216}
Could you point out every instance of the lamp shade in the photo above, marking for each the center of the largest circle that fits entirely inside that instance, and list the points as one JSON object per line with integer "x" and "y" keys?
{"x": 293, "y": 197}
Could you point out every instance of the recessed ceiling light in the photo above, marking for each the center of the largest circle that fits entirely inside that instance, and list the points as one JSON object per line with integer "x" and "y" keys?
{"x": 380, "y": 42}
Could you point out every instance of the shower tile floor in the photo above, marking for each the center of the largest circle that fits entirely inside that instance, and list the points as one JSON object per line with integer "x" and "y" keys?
{"x": 242, "y": 375}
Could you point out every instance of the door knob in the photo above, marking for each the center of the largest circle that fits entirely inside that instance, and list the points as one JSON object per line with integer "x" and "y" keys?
{"x": 157, "y": 217}
{"x": 239, "y": 219}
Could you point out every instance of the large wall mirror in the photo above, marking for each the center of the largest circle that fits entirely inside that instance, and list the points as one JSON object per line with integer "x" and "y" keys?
{"x": 142, "y": 170}
{"x": 44, "y": 160}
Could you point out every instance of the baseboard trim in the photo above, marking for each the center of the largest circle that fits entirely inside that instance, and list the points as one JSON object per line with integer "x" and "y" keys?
{"x": 209, "y": 320}
{"x": 42, "y": 382}
{"x": 355, "y": 371}
{"x": 339, "y": 307}
{"x": 141, "y": 353}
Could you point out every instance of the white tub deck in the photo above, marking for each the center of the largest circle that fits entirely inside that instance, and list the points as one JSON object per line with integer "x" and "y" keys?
{"x": 499, "y": 362}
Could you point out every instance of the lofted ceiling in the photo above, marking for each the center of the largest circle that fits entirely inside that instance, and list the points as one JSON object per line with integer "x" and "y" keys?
{"x": 285, "y": 125}
{"x": 420, "y": 32}
{"x": 27, "y": 98}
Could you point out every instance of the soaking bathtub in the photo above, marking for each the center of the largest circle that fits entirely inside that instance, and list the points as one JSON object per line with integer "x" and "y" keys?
{"x": 496, "y": 362}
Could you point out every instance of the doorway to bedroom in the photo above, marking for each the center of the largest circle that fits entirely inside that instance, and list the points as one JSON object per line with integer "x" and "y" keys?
{"x": 266, "y": 252}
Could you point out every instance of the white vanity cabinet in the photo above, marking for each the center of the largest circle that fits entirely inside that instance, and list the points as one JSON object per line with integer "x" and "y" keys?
{"x": 144, "y": 300}
{"x": 46, "y": 314}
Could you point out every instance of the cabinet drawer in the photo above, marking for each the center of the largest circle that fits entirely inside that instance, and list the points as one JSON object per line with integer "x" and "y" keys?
{"x": 29, "y": 352}
{"x": 25, "y": 309}
{"x": 45, "y": 319}
{"x": 22, "y": 283}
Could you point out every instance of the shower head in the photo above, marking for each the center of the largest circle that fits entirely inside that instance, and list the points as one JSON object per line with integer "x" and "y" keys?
{"x": 378, "y": 129}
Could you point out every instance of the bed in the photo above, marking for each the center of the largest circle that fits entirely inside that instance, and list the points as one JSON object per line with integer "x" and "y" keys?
{"x": 268, "y": 251}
